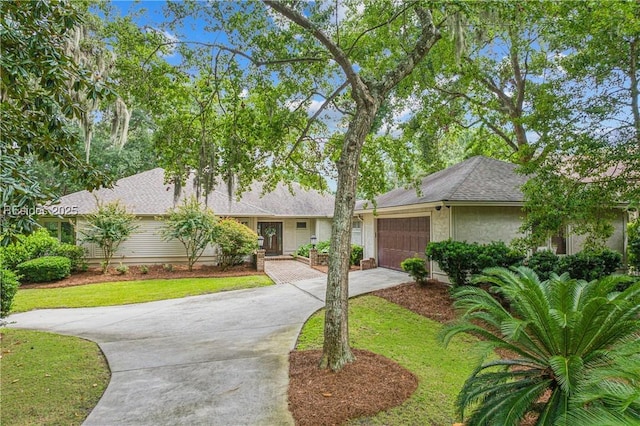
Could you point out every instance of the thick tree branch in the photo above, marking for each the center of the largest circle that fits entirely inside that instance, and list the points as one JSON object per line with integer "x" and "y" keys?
{"x": 429, "y": 36}
{"x": 337, "y": 53}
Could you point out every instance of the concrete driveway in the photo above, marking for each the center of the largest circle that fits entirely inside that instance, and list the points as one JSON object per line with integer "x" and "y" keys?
{"x": 219, "y": 359}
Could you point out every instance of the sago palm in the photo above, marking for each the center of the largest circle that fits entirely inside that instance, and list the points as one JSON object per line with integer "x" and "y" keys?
{"x": 559, "y": 334}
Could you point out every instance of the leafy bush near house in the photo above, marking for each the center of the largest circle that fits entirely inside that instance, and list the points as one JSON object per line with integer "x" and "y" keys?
{"x": 46, "y": 268}
{"x": 321, "y": 246}
{"x": 234, "y": 240}
{"x": 585, "y": 265}
{"x": 74, "y": 253}
{"x": 122, "y": 269}
{"x": 590, "y": 265}
{"x": 543, "y": 263}
{"x": 460, "y": 259}
{"x": 144, "y": 269}
{"x": 417, "y": 268}
{"x": 357, "y": 252}
{"x": 633, "y": 247}
{"x": 38, "y": 244}
{"x": 355, "y": 256}
{"x": 8, "y": 287}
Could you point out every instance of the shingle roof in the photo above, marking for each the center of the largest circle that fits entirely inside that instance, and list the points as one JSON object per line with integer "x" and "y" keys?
{"x": 478, "y": 179}
{"x": 147, "y": 194}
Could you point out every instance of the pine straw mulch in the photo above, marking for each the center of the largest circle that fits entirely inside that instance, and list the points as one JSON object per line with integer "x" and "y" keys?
{"x": 95, "y": 275}
{"x": 372, "y": 383}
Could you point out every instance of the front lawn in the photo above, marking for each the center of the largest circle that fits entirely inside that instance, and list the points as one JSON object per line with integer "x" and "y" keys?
{"x": 410, "y": 340}
{"x": 126, "y": 292}
{"x": 48, "y": 378}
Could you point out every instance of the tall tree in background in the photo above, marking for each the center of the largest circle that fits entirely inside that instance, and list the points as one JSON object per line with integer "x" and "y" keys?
{"x": 37, "y": 108}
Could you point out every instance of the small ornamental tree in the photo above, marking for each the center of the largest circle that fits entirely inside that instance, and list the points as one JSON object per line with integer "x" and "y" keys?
{"x": 192, "y": 225}
{"x": 234, "y": 240}
{"x": 108, "y": 227}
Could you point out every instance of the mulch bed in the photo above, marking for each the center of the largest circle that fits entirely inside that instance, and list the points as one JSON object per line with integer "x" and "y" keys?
{"x": 95, "y": 275}
{"x": 362, "y": 388}
{"x": 372, "y": 383}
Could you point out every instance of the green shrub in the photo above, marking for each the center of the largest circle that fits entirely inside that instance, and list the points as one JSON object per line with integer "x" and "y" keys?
{"x": 167, "y": 267}
{"x": 72, "y": 252}
{"x": 543, "y": 263}
{"x": 357, "y": 253}
{"x": 8, "y": 287}
{"x": 633, "y": 245}
{"x": 12, "y": 255}
{"x": 497, "y": 253}
{"x": 144, "y": 269}
{"x": 122, "y": 269}
{"x": 27, "y": 247}
{"x": 46, "y": 268}
{"x": 589, "y": 265}
{"x": 417, "y": 268}
{"x": 234, "y": 240}
{"x": 321, "y": 246}
{"x": 355, "y": 256}
{"x": 455, "y": 258}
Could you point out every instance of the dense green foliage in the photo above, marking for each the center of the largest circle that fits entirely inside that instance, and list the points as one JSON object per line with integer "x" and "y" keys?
{"x": 8, "y": 287}
{"x": 192, "y": 225}
{"x": 38, "y": 108}
{"x": 357, "y": 252}
{"x": 633, "y": 248}
{"x": 355, "y": 256}
{"x": 460, "y": 259}
{"x": 38, "y": 244}
{"x": 45, "y": 268}
{"x": 234, "y": 240}
{"x": 561, "y": 333}
{"x": 74, "y": 253}
{"x": 321, "y": 246}
{"x": 585, "y": 265}
{"x": 417, "y": 268}
{"x": 108, "y": 227}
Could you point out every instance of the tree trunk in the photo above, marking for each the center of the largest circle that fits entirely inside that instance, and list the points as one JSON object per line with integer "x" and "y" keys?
{"x": 336, "y": 350}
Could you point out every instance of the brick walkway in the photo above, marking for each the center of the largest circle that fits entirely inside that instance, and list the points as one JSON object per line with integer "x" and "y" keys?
{"x": 289, "y": 271}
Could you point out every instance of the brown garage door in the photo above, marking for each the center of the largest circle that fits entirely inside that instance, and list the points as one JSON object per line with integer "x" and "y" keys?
{"x": 401, "y": 238}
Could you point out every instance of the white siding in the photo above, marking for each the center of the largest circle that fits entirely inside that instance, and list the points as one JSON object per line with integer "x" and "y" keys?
{"x": 615, "y": 242}
{"x": 323, "y": 229}
{"x": 368, "y": 235}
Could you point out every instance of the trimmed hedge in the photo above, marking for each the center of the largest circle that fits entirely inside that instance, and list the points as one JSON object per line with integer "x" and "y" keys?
{"x": 39, "y": 244}
{"x": 46, "y": 268}
{"x": 8, "y": 287}
{"x": 460, "y": 259}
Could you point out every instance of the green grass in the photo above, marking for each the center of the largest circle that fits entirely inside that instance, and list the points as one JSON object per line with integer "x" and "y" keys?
{"x": 49, "y": 379}
{"x": 125, "y": 292}
{"x": 410, "y": 340}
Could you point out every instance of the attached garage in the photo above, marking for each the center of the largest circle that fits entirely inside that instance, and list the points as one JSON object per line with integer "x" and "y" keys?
{"x": 400, "y": 238}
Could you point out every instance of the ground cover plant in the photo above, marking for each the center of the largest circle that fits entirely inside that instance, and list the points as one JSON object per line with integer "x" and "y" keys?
{"x": 125, "y": 292}
{"x": 411, "y": 340}
{"x": 48, "y": 378}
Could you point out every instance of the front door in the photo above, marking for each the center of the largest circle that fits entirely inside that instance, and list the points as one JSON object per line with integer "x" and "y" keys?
{"x": 272, "y": 233}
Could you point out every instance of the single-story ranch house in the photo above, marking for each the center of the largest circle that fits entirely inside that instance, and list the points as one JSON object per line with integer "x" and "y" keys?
{"x": 478, "y": 200}
{"x": 286, "y": 220}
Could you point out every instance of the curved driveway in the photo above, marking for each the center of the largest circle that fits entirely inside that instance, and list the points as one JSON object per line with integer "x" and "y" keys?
{"x": 219, "y": 359}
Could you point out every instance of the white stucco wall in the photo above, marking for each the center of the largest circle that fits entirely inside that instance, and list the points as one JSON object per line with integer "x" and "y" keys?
{"x": 323, "y": 229}
{"x": 615, "y": 242}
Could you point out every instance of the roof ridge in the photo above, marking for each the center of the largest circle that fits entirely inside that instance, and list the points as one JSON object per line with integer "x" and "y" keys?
{"x": 473, "y": 162}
